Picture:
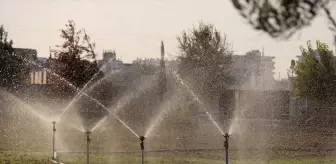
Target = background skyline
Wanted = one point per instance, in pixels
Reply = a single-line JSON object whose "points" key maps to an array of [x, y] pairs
{"points": [[135, 29]]}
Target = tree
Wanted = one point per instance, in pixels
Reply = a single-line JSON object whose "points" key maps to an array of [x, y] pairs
{"points": [[315, 74], [13, 69], [163, 76], [205, 56], [72, 55], [281, 17]]}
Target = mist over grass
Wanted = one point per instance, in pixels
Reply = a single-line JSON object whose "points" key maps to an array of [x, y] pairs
{"points": [[196, 157]]}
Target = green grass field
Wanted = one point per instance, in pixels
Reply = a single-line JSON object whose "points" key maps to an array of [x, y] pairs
{"points": [[214, 157]]}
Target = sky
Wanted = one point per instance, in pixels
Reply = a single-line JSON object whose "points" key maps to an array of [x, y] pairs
{"points": [[135, 28]]}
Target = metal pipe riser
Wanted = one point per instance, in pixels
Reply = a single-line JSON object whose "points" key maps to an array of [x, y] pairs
{"points": [[53, 140], [88, 140], [142, 146], [226, 146]]}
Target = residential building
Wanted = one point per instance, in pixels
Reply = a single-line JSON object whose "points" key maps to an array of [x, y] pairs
{"points": [[30, 56], [255, 90], [253, 70], [42, 74], [110, 61]]}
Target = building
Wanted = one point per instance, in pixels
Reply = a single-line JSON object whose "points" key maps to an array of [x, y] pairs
{"points": [[110, 61], [38, 73], [42, 74], [109, 55], [253, 71], [256, 93], [39, 66]]}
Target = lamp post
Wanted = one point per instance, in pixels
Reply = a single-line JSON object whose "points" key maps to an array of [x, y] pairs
{"points": [[88, 147], [226, 146], [142, 146], [53, 140]]}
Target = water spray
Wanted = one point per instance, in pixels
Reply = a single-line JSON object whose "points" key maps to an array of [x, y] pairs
{"points": [[88, 147], [226, 146], [142, 146], [53, 140]]}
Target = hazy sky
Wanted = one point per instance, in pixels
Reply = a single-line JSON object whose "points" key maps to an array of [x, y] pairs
{"points": [[134, 28]]}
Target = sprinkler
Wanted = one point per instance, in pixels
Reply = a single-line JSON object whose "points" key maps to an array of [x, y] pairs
{"points": [[88, 147], [226, 146], [142, 146], [53, 140]]}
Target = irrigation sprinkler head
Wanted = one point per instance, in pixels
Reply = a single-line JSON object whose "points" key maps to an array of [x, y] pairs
{"points": [[226, 135], [226, 142], [142, 138], [88, 136]]}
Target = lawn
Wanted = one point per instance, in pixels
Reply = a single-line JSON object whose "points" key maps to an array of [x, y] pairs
{"points": [[210, 157]]}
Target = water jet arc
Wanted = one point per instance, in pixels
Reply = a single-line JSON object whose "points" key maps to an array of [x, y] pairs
{"points": [[226, 146], [142, 146], [53, 140], [88, 147]]}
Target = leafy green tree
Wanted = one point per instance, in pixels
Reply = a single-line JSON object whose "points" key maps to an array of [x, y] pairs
{"points": [[13, 69], [72, 56], [205, 57], [315, 74], [282, 18]]}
